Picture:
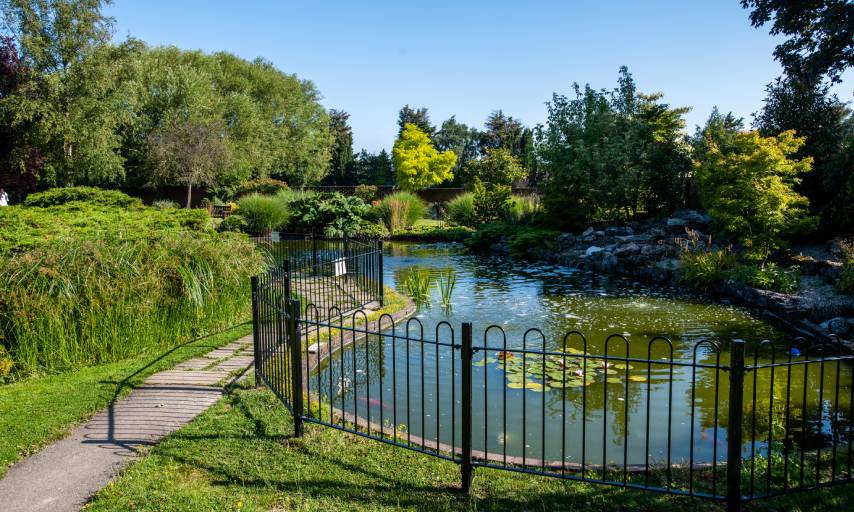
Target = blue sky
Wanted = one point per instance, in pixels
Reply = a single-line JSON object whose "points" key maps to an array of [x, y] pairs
{"points": [[470, 58]]}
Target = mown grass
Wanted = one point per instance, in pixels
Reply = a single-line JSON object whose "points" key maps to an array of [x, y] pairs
{"points": [[240, 455], [36, 411]]}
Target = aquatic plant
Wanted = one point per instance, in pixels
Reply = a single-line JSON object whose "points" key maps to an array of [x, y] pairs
{"points": [[417, 285], [446, 283]]}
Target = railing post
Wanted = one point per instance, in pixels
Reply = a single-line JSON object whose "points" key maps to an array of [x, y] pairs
{"points": [[314, 254], [381, 290], [736, 413], [286, 270], [296, 364], [466, 468], [256, 342]]}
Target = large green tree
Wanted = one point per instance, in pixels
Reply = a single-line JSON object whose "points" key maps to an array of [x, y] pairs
{"points": [[459, 138], [418, 163], [417, 116], [820, 35], [612, 154], [340, 165]]}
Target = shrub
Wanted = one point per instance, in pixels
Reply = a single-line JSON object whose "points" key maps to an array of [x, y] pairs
{"points": [[289, 195], [262, 213], [489, 234], [263, 186], [331, 214], [371, 230], [703, 269], [401, 210], [164, 204], [235, 223], [491, 202], [523, 210], [58, 196], [434, 232], [461, 210], [768, 277], [526, 242], [367, 193]]}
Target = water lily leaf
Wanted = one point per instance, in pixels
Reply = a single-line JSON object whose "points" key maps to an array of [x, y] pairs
{"points": [[637, 378], [482, 362], [614, 380]]}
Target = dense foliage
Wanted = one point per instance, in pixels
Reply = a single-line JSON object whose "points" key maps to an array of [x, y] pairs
{"points": [[611, 154], [330, 214], [461, 210], [260, 214], [418, 163], [106, 114], [749, 191], [95, 279]]}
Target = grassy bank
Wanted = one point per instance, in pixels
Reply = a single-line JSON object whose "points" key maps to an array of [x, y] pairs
{"points": [[89, 277], [239, 456], [36, 411]]}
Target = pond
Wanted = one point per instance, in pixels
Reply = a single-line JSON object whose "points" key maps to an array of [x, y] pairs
{"points": [[526, 406]]}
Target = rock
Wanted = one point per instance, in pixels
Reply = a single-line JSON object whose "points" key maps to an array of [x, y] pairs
{"points": [[653, 250], [565, 240], [588, 238], [669, 264], [592, 250], [838, 325], [693, 217], [587, 232], [676, 222], [609, 262], [599, 233], [657, 233], [627, 249]]}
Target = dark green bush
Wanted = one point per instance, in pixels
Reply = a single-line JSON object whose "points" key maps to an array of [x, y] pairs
{"points": [[331, 214], [164, 204], [58, 196], [489, 234], [525, 243], [367, 193], [703, 269], [769, 277], [235, 223], [369, 229]]}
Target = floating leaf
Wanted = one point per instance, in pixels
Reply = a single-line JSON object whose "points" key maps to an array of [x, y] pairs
{"points": [[614, 380], [637, 378]]}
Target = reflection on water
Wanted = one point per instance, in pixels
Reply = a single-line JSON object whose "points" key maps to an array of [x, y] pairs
{"points": [[560, 407]]}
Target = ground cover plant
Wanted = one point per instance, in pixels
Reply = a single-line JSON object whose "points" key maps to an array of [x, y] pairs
{"points": [[84, 284]]}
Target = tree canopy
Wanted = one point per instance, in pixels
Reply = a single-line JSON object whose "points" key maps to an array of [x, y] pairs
{"points": [[417, 163]]}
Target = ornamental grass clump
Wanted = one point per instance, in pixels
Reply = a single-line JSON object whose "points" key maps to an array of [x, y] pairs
{"points": [[401, 210], [461, 210], [262, 214]]}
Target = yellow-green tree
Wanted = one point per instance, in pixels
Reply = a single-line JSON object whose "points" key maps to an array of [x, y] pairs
{"points": [[417, 163], [749, 189]]}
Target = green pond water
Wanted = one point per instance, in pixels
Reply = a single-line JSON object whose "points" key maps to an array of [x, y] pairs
{"points": [[560, 407]]}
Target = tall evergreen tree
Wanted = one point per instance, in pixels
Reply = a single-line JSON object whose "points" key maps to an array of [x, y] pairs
{"points": [[340, 164], [419, 117], [460, 139]]}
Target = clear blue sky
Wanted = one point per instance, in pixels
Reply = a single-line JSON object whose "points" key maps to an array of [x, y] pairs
{"points": [[468, 58]]}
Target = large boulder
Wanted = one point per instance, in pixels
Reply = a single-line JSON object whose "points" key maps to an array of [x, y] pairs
{"points": [[627, 250]]}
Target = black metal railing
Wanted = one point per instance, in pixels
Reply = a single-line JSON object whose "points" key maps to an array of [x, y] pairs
{"points": [[729, 424]]}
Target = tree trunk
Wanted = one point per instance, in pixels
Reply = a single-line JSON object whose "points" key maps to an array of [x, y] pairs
{"points": [[189, 194]]}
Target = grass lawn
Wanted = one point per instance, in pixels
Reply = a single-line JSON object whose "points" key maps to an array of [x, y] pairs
{"points": [[39, 410], [238, 456]]}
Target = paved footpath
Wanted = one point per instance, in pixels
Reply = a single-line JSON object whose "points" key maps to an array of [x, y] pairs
{"points": [[63, 476]]}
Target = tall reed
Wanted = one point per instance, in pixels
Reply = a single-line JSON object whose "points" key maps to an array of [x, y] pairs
{"points": [[76, 302], [446, 283]]}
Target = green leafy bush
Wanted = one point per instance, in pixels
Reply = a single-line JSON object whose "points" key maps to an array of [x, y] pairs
{"points": [[263, 186], [526, 241], [491, 201], [703, 269], [58, 196], [401, 210], [164, 204], [434, 231], [262, 213], [367, 193], [331, 214], [461, 210], [768, 277], [489, 234], [371, 230], [235, 223]]}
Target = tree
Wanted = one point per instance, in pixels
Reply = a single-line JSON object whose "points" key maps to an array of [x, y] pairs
{"points": [[502, 131], [749, 191], [418, 117], [719, 131], [459, 138], [417, 163], [611, 154], [820, 35], [492, 177], [342, 148], [372, 169], [823, 121], [189, 153], [20, 162]]}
